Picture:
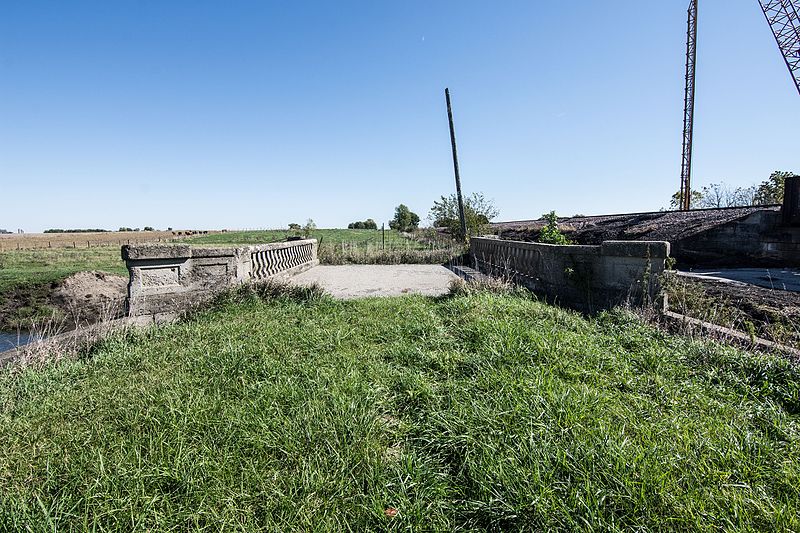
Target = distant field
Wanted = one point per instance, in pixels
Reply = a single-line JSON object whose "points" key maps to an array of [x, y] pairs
{"points": [[27, 241], [326, 237]]}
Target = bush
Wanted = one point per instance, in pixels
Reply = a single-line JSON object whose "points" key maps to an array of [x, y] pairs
{"points": [[550, 234]]}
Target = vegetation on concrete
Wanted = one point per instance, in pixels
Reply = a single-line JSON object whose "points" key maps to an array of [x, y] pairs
{"points": [[478, 212], [286, 410], [550, 233]]}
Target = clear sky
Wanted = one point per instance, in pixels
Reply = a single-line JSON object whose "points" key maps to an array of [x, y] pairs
{"points": [[243, 114]]}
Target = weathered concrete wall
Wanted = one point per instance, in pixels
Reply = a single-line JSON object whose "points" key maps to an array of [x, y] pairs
{"points": [[588, 278], [758, 239], [166, 279]]}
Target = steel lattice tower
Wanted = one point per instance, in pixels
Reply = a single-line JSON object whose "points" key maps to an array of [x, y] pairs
{"points": [[688, 109], [785, 23]]}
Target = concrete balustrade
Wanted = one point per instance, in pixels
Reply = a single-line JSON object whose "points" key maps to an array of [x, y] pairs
{"points": [[587, 278], [166, 279]]}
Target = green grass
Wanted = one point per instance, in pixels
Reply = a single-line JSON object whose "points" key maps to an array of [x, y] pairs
{"points": [[29, 267], [478, 411], [325, 236]]}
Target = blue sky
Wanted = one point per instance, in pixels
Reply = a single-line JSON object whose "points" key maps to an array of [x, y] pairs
{"points": [[255, 114]]}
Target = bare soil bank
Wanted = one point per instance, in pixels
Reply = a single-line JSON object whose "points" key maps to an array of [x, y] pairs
{"points": [[82, 298]]}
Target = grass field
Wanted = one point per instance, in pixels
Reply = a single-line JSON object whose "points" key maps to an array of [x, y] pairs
{"points": [[477, 411]]}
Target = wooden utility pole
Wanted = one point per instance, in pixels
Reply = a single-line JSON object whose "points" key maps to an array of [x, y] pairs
{"points": [[455, 166]]}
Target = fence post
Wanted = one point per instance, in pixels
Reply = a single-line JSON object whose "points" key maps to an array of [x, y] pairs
{"points": [[383, 234]]}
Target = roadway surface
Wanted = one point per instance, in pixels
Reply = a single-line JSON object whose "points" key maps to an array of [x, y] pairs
{"points": [[782, 279], [362, 281]]}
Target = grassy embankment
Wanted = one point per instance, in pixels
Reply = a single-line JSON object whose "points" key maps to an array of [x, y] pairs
{"points": [[475, 411], [27, 276]]}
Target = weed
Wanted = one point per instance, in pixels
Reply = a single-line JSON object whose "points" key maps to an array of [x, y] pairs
{"points": [[479, 411]]}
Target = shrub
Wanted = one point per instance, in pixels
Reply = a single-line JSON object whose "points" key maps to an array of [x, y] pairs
{"points": [[550, 234]]}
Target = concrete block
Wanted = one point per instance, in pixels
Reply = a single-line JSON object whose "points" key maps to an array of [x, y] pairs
{"points": [[131, 252]]}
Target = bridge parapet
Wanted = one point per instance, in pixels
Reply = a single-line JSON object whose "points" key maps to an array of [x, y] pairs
{"points": [[166, 279], [588, 278]]}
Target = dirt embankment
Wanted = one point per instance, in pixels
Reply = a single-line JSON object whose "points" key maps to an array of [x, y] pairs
{"points": [[82, 298], [767, 313]]}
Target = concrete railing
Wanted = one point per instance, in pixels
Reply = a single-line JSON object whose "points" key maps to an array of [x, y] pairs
{"points": [[587, 278], [167, 279]]}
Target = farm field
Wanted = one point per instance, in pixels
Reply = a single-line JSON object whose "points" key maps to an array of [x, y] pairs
{"points": [[478, 410], [36, 241]]}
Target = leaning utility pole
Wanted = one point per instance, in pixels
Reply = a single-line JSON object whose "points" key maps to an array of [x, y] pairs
{"points": [[455, 166], [688, 109]]}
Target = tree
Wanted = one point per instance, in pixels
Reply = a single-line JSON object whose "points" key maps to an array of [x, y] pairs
{"points": [[308, 228], [478, 212], [770, 191], [367, 224], [295, 226], [404, 219], [550, 234], [717, 195]]}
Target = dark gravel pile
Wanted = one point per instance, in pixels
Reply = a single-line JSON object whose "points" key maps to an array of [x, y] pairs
{"points": [[658, 226]]}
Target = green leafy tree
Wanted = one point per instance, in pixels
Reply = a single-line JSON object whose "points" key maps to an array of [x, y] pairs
{"points": [[309, 228], [478, 212], [770, 191], [367, 224], [550, 234], [404, 219]]}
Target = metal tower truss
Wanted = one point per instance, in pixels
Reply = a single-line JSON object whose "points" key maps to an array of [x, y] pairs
{"points": [[785, 23], [688, 109]]}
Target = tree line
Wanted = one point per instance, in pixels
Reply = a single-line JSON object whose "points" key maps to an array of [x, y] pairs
{"points": [[768, 192]]}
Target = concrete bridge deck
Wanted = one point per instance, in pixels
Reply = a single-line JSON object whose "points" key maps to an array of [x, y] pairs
{"points": [[362, 281]]}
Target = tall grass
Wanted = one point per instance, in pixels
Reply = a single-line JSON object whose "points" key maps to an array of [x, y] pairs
{"points": [[289, 411]]}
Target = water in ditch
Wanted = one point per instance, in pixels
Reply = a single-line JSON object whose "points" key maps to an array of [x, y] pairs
{"points": [[9, 340]]}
